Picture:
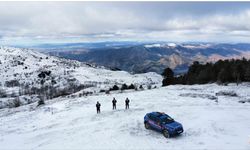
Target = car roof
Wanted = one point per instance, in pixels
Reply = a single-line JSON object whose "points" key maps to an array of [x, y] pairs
{"points": [[160, 115]]}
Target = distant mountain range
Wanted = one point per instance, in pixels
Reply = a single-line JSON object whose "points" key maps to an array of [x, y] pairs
{"points": [[150, 57]]}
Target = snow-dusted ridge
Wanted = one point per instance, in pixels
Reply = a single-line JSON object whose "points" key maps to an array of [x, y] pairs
{"points": [[160, 45], [24, 65]]}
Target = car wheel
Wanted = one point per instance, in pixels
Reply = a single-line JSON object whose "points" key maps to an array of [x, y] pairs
{"points": [[147, 126], [165, 133]]}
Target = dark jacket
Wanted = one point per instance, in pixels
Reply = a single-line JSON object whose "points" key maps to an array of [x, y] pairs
{"points": [[114, 101], [127, 101], [98, 105]]}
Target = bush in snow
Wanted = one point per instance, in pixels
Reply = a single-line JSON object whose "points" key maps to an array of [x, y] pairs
{"points": [[107, 92], [87, 93], [244, 101], [43, 74], [226, 93], [11, 103], [101, 91], [80, 95], [40, 102], [16, 102], [12, 83], [3, 93], [141, 87], [197, 95], [136, 89]]}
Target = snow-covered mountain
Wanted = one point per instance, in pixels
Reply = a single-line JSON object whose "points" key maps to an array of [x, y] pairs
{"points": [[211, 115], [24, 69]]}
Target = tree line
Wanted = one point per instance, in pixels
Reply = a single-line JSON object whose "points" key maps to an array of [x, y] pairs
{"points": [[221, 72]]}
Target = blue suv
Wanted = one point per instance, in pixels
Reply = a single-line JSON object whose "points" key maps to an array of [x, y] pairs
{"points": [[163, 123]]}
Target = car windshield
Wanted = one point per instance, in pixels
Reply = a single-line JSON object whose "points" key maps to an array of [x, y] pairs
{"points": [[167, 120]]}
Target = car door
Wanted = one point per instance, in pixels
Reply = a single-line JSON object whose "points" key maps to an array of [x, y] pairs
{"points": [[155, 122], [158, 124]]}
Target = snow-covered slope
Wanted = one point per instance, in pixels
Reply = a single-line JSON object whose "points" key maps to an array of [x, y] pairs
{"points": [[24, 64], [20, 69], [210, 120]]}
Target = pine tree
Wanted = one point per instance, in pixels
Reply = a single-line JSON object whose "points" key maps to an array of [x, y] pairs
{"points": [[131, 86], [223, 76], [168, 75], [115, 88], [124, 87], [247, 74]]}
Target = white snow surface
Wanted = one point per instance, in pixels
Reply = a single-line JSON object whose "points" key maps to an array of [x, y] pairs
{"points": [[65, 123], [172, 44], [152, 45], [160, 45]]}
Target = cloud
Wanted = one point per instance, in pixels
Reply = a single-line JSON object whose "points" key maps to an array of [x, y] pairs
{"points": [[90, 21]]}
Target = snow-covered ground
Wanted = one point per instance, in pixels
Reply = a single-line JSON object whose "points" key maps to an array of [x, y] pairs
{"points": [[210, 121]]}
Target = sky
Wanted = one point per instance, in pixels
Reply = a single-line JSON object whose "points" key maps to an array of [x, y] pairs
{"points": [[28, 23]]}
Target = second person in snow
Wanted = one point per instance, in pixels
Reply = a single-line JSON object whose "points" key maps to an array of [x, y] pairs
{"points": [[114, 103], [127, 103]]}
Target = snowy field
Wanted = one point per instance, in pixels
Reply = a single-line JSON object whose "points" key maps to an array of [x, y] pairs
{"points": [[210, 121]]}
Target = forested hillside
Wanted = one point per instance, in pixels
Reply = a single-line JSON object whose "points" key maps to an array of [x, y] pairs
{"points": [[222, 72]]}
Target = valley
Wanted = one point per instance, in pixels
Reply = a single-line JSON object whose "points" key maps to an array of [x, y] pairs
{"points": [[151, 57]]}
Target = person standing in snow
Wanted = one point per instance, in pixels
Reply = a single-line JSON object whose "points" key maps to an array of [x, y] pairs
{"points": [[127, 103], [98, 107], [114, 103]]}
